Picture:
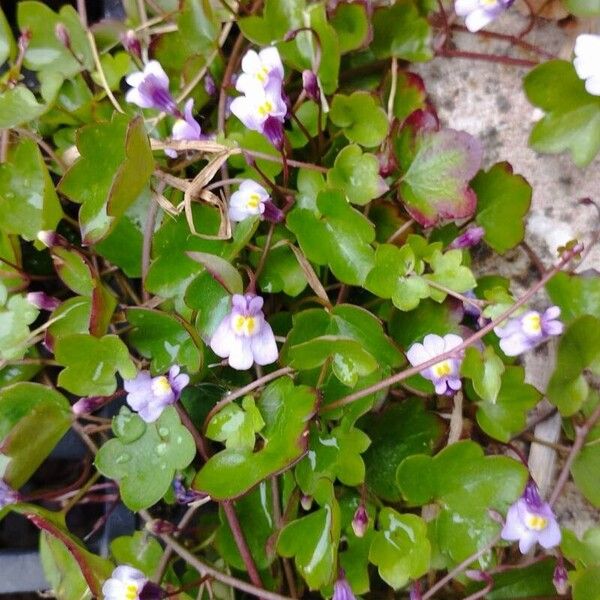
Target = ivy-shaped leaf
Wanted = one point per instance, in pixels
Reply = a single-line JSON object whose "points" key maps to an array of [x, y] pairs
{"points": [[28, 202], [16, 314], [285, 409], [144, 467], [91, 363], [576, 294], [236, 426], [138, 550], [352, 25], [485, 371], [116, 156], [361, 118], [400, 548], [336, 235]]}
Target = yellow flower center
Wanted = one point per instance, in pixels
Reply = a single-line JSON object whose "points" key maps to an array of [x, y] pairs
{"points": [[265, 108], [442, 369], [488, 2], [245, 326], [536, 522], [532, 323], [161, 385], [253, 201], [262, 74], [131, 591]]}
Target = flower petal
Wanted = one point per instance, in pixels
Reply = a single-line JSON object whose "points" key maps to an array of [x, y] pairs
{"points": [[478, 19], [223, 338], [240, 356], [417, 354], [264, 347]]}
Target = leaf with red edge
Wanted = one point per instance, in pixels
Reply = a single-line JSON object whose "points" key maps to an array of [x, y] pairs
{"points": [[435, 186]]}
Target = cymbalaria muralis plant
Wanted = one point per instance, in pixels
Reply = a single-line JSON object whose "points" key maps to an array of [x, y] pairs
{"points": [[240, 259]]}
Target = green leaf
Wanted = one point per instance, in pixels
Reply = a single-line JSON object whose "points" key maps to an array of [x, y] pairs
{"points": [[144, 467], [400, 548], [411, 94], [435, 186], [339, 237], [583, 8], [351, 23], [123, 246], [587, 584], [221, 270], [8, 47], [74, 270], [91, 363], [255, 513], [18, 105], [402, 32], [485, 370], [236, 426], [115, 67], [45, 52], [357, 175], [397, 432], [28, 202], [138, 550], [576, 294], [278, 18], [507, 414], [465, 484], [578, 350], [503, 200], [572, 119], [198, 26], [362, 119], [24, 443], [15, 317], [165, 340], [449, 272], [313, 541], [285, 408], [582, 552], [585, 471], [72, 316], [116, 157]]}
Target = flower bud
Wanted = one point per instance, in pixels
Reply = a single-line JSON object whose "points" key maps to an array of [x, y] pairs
{"points": [[43, 301], [51, 239], [131, 43], [310, 83], [152, 591], [24, 39], [272, 213], [476, 575], [560, 579], [184, 495], [360, 522], [306, 502], [85, 406], [210, 87], [62, 35], [342, 589], [8, 495], [469, 238], [160, 527]]}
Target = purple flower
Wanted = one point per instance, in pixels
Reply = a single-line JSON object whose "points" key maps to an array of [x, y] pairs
{"points": [[342, 589], [260, 69], [560, 578], [251, 200], [184, 495], [43, 301], [444, 375], [149, 396], [531, 520], [262, 109], [360, 521], [528, 330], [469, 238], [85, 406], [480, 13], [243, 336], [150, 89], [186, 128], [310, 84], [587, 61], [8, 496]]}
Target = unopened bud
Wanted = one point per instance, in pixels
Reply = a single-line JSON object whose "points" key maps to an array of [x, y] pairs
{"points": [[85, 406], [184, 495], [62, 35], [43, 301], [210, 87], [360, 522], [24, 39], [471, 237], [160, 527], [131, 43], [310, 83], [342, 589], [51, 238], [272, 213], [306, 502], [477, 575], [560, 579]]}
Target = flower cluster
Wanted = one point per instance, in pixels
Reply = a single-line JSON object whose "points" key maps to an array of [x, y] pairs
{"points": [[444, 375], [527, 331], [262, 107], [530, 520], [149, 396]]}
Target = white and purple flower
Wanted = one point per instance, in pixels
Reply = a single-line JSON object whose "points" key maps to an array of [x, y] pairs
{"points": [[259, 69], [127, 583], [529, 330], [342, 589], [263, 109], [530, 520], [185, 128], [149, 396], [150, 89], [479, 13], [252, 200], [587, 61], [8, 496], [243, 336], [444, 375]]}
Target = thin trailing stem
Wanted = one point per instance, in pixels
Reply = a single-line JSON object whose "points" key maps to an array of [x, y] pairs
{"points": [[101, 74], [495, 58]]}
